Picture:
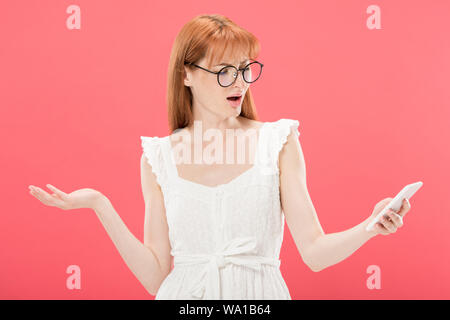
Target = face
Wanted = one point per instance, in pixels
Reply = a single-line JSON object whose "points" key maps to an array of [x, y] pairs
{"points": [[208, 95]]}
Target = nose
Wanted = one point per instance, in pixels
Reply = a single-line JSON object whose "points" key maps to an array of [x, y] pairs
{"points": [[240, 79]]}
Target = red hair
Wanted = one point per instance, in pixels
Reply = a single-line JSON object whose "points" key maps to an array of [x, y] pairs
{"points": [[204, 36]]}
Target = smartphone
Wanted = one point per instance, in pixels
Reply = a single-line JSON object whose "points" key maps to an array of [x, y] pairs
{"points": [[396, 203]]}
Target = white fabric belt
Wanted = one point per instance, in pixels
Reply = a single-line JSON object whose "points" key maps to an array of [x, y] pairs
{"points": [[236, 251]]}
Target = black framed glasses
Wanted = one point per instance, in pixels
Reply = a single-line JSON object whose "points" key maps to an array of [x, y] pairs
{"points": [[228, 74]]}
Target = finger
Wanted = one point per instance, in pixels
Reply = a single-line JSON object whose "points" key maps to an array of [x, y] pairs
{"points": [[37, 192], [392, 210], [387, 200], [40, 195], [44, 197], [380, 228], [388, 224], [396, 218], [383, 203], [56, 191], [406, 206]]}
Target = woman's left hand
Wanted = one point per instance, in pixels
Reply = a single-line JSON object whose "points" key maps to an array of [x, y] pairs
{"points": [[391, 220]]}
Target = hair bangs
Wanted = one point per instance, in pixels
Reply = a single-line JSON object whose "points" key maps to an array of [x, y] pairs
{"points": [[231, 43]]}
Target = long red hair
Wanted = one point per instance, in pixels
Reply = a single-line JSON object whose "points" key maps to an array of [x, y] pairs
{"points": [[204, 36]]}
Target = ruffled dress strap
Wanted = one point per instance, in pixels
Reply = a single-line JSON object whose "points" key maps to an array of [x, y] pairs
{"points": [[153, 151], [277, 136]]}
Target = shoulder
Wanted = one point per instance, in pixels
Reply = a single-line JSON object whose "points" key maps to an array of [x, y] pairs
{"points": [[284, 143], [179, 137], [151, 155], [291, 157], [154, 175], [150, 141], [282, 132], [288, 133], [250, 123], [150, 146], [285, 126]]}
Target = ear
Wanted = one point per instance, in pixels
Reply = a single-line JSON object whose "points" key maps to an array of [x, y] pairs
{"points": [[187, 77]]}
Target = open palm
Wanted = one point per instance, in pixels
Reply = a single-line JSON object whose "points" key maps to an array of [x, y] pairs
{"points": [[82, 198]]}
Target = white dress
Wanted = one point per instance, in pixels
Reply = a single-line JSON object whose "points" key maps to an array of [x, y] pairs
{"points": [[225, 239]]}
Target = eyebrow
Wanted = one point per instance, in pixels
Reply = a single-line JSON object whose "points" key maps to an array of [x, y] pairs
{"points": [[228, 64]]}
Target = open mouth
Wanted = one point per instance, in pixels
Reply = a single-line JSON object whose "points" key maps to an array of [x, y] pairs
{"points": [[234, 101]]}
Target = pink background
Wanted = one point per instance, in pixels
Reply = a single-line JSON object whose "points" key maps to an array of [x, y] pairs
{"points": [[373, 107]]}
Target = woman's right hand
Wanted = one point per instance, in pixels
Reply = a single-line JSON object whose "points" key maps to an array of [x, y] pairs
{"points": [[83, 198]]}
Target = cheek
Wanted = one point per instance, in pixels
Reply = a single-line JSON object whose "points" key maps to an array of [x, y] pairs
{"points": [[211, 92], [215, 93], [210, 87]]}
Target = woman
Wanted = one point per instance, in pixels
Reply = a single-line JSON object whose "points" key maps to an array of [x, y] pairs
{"points": [[221, 225]]}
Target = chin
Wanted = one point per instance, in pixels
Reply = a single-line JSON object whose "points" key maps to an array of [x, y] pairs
{"points": [[236, 111]]}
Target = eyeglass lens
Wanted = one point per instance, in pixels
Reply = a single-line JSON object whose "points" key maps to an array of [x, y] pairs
{"points": [[228, 74]]}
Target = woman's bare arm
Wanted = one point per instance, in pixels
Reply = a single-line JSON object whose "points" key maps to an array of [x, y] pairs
{"points": [[318, 250], [150, 262]]}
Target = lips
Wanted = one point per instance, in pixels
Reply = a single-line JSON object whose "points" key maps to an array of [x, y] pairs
{"points": [[234, 97], [235, 94], [235, 102]]}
